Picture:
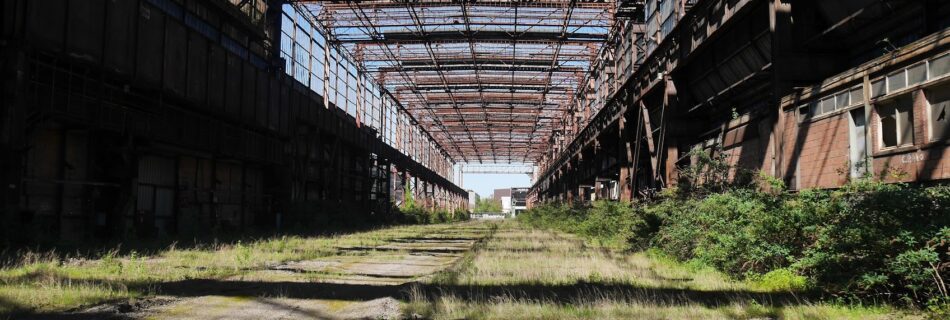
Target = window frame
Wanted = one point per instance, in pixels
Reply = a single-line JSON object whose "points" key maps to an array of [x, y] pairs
{"points": [[895, 103], [930, 117], [816, 105]]}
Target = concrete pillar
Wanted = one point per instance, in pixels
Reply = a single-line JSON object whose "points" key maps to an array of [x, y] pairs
{"points": [[13, 68], [598, 190]]}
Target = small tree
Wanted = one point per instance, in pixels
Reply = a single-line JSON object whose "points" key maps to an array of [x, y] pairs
{"points": [[488, 205]]}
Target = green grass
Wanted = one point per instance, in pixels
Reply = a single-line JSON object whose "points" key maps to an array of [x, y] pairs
{"points": [[516, 273], [50, 282], [523, 273]]}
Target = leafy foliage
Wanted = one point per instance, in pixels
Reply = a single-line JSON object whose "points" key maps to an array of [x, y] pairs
{"points": [[412, 213], [488, 205], [866, 240]]}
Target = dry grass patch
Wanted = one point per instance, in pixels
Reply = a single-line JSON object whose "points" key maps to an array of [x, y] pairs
{"points": [[49, 282], [523, 273]]}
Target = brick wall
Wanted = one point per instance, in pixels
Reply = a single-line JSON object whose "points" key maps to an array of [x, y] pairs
{"points": [[922, 161], [816, 151]]}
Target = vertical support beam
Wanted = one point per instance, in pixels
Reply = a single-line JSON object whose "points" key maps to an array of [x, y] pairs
{"points": [[406, 188], [648, 132], [598, 189], [780, 26], [274, 19], [414, 188], [360, 102], [326, 76], [669, 102], [624, 181], [13, 67]]}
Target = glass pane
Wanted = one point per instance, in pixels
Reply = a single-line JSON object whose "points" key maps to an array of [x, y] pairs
{"points": [[938, 120], [286, 21], [888, 126], [286, 42], [940, 66], [917, 74], [896, 81], [878, 89], [842, 100], [827, 105], [906, 124], [939, 100], [803, 113], [857, 95]]}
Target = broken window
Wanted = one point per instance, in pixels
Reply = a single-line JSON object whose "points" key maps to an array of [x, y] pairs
{"points": [[857, 95], [878, 88], [896, 81], [940, 66], [917, 74], [939, 100], [896, 125]]}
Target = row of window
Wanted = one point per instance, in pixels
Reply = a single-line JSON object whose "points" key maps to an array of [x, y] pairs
{"points": [[896, 114], [897, 117], [910, 76], [833, 102], [308, 59]]}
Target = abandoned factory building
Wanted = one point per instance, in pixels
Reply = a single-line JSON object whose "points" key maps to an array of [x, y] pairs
{"points": [[151, 118]]}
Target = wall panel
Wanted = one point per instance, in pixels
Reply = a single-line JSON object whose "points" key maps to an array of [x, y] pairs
{"points": [[150, 46], [176, 59], [84, 32], [46, 23], [217, 67], [119, 54], [197, 68]]}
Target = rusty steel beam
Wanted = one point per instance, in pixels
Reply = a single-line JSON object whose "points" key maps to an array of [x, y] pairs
{"points": [[390, 4], [488, 35], [493, 80]]}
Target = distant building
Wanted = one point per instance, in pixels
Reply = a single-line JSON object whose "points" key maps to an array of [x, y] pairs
{"points": [[506, 204], [472, 200], [501, 193], [513, 200], [519, 200]]}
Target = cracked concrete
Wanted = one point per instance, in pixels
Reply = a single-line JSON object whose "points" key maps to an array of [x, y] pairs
{"points": [[357, 283]]}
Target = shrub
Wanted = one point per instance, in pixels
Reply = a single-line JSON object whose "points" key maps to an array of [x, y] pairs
{"points": [[782, 279], [866, 240], [558, 216], [617, 224], [411, 213], [738, 231], [871, 239]]}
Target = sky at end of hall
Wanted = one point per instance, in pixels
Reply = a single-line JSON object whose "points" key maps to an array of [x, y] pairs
{"points": [[485, 183]]}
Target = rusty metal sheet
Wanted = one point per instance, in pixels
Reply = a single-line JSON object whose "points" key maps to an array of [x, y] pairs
{"points": [[197, 68], [216, 75], [119, 54], [262, 99], [150, 46], [46, 23], [176, 58], [248, 86], [232, 87], [84, 32]]}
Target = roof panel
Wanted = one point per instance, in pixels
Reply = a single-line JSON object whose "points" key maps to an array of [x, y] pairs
{"points": [[489, 79]]}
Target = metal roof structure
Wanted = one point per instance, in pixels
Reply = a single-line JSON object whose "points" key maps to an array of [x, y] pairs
{"points": [[489, 80]]}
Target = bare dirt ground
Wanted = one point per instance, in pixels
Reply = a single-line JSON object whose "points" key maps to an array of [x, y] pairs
{"points": [[357, 283]]}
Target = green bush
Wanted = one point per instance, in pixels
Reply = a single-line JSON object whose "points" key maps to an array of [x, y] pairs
{"points": [[410, 213], [780, 280], [868, 239], [558, 216], [871, 239], [616, 224], [613, 224], [741, 231]]}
